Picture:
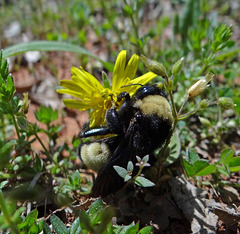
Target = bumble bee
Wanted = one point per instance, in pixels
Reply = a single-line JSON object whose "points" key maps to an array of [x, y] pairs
{"points": [[140, 126]]}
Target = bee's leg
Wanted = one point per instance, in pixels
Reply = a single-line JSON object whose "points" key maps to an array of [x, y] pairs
{"points": [[124, 95], [95, 132], [113, 122]]}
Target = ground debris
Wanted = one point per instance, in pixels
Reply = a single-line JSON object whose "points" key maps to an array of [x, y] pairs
{"points": [[228, 214], [191, 200]]}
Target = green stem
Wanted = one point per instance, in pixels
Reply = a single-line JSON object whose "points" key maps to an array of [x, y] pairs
{"points": [[135, 28], [109, 17], [139, 172], [16, 127], [45, 149], [206, 65], [183, 105], [174, 109], [164, 149], [6, 215], [3, 128], [182, 117]]}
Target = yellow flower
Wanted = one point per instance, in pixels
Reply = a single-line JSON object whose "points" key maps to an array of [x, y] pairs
{"points": [[91, 95]]}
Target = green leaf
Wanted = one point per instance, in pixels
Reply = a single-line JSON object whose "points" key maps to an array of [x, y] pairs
{"points": [[228, 54], [10, 87], [34, 229], [75, 179], [226, 156], [50, 46], [144, 182], [124, 230], [127, 178], [5, 153], [132, 230], [224, 170], [75, 228], [29, 221], [128, 10], [146, 230], [106, 218], [121, 171], [22, 123], [237, 103], [39, 163], [16, 216], [130, 166], [3, 183], [106, 82], [234, 164], [46, 229], [189, 168], [85, 221], [207, 170], [46, 114], [192, 156], [95, 208], [203, 167], [145, 158], [175, 147], [58, 225]]}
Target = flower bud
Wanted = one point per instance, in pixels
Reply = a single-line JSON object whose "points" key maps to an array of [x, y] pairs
{"points": [[226, 103], [106, 82], [154, 66], [26, 103], [199, 86], [177, 66], [205, 122], [203, 104]]}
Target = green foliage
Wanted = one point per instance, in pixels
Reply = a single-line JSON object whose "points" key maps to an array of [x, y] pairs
{"points": [[50, 46], [227, 163], [98, 219], [5, 152], [126, 174], [30, 224], [195, 166], [11, 217], [58, 225], [46, 114], [205, 44]]}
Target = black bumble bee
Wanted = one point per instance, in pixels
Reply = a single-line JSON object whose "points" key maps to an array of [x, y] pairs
{"points": [[140, 126]]}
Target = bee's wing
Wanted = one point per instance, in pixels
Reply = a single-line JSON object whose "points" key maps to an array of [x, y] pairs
{"points": [[108, 180]]}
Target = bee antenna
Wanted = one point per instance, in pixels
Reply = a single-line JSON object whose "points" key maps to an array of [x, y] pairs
{"points": [[131, 85]]}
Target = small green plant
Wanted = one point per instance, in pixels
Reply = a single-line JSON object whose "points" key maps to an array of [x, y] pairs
{"points": [[21, 164], [227, 164], [204, 47], [11, 217], [126, 174], [98, 219]]}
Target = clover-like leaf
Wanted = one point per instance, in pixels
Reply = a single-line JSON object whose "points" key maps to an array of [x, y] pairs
{"points": [[143, 182], [121, 171]]}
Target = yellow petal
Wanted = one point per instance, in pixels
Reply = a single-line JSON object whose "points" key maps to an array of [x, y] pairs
{"points": [[70, 85], [144, 79], [76, 104], [131, 67], [97, 117], [118, 71], [70, 92], [95, 81], [85, 80]]}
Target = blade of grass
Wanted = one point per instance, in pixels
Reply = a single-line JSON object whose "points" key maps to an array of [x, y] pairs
{"points": [[51, 46]]}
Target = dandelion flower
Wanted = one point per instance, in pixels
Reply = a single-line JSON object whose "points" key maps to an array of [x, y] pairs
{"points": [[89, 93]]}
